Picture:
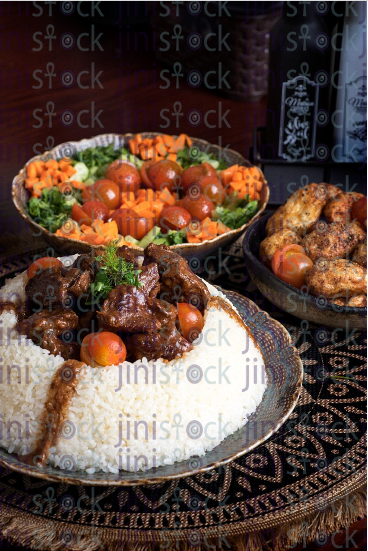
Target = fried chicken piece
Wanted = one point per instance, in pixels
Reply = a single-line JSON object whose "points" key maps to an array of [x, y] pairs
{"points": [[360, 254], [278, 239], [333, 278], [338, 208], [331, 241], [358, 301], [300, 211]]}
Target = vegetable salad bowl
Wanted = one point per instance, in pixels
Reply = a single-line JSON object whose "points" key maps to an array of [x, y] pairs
{"points": [[67, 245]]}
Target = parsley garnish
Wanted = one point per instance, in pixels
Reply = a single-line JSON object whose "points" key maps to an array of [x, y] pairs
{"points": [[114, 270]]}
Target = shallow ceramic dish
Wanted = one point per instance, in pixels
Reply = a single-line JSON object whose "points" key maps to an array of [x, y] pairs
{"points": [[71, 246], [284, 371], [316, 309]]}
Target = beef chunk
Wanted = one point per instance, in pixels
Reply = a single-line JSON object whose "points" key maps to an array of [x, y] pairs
{"points": [[86, 263], [164, 343], [126, 309], [55, 287], [87, 323], [81, 284], [127, 253], [56, 346], [51, 330], [57, 321], [178, 283], [149, 280]]}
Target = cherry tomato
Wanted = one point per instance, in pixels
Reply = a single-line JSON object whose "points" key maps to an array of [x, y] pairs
{"points": [[144, 175], [96, 210], [284, 252], [191, 321], [124, 174], [163, 174], [200, 208], [80, 216], [101, 349], [174, 218], [193, 174], [105, 191], [359, 210], [44, 263], [130, 223], [290, 264], [212, 189]]}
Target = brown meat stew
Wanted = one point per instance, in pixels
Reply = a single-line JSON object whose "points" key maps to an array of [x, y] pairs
{"points": [[58, 314]]}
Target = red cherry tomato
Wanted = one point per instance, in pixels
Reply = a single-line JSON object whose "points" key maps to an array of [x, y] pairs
{"points": [[284, 252], [130, 223], [174, 218], [80, 216], [200, 208], [212, 189], [144, 175], [96, 210], [101, 349], [290, 264], [359, 210], [105, 191], [163, 174], [125, 175], [193, 174], [191, 321], [44, 263]]}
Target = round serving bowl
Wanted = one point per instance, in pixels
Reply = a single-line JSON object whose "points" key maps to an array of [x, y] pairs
{"points": [[284, 373], [316, 309], [71, 246]]}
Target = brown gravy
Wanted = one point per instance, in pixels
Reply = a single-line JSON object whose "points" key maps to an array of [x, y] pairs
{"points": [[18, 309], [62, 389]]}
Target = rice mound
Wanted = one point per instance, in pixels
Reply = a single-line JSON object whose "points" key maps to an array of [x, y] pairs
{"points": [[137, 415]]}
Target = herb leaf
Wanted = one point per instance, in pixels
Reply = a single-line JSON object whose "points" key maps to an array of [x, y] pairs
{"points": [[184, 159], [234, 215], [52, 209], [114, 270]]}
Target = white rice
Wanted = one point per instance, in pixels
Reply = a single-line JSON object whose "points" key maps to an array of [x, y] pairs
{"points": [[132, 416]]}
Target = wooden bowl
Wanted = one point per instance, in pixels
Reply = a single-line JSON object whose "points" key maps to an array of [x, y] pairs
{"points": [[196, 251], [316, 309]]}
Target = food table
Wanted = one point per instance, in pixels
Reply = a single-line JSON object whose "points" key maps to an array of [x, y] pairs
{"points": [[304, 483]]}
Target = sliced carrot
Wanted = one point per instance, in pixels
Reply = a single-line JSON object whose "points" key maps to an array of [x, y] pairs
{"points": [[70, 171], [29, 182], [138, 138], [237, 186], [168, 140], [31, 170], [144, 205], [237, 177], [192, 238], [221, 228], [133, 144], [172, 157], [188, 140], [259, 185], [52, 163], [78, 185]]}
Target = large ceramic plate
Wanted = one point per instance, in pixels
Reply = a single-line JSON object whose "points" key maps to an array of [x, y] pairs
{"points": [[284, 380], [71, 246]]}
